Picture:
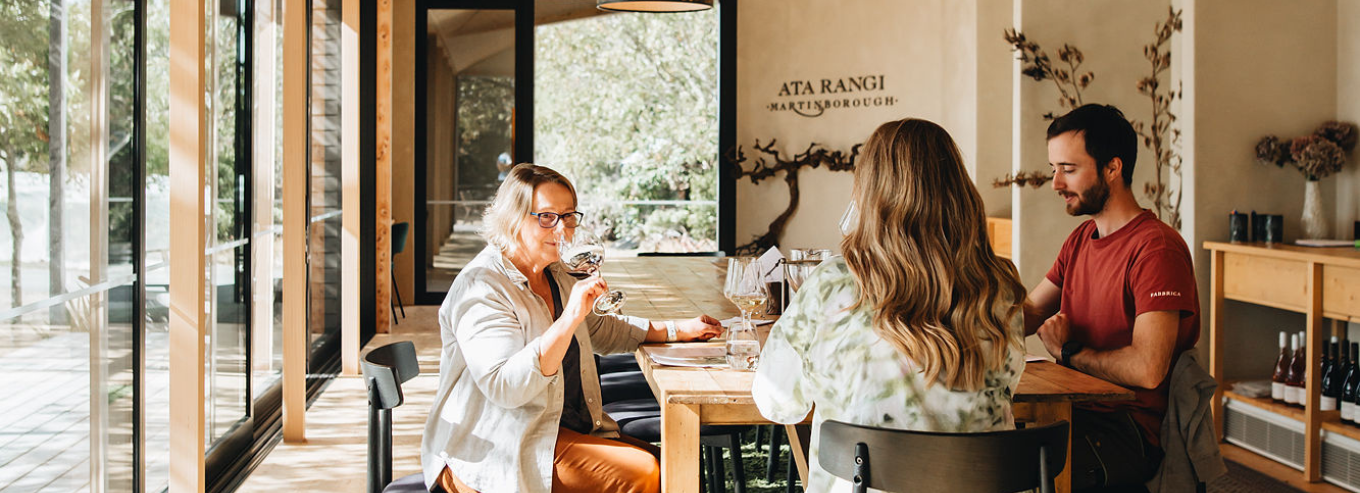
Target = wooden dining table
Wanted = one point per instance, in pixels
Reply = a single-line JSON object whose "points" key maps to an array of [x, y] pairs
{"points": [[683, 287]]}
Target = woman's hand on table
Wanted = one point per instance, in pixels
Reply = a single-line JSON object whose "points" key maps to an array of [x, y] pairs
{"points": [[700, 328]]}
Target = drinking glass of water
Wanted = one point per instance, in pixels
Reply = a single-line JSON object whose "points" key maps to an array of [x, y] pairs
{"points": [[746, 288]]}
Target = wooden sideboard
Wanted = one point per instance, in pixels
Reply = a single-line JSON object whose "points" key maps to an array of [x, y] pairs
{"points": [[1321, 283]]}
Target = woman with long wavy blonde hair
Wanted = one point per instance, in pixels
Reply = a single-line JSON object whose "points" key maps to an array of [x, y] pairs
{"points": [[919, 325]]}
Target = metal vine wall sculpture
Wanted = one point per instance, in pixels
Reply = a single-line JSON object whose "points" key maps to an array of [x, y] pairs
{"points": [[768, 163]]}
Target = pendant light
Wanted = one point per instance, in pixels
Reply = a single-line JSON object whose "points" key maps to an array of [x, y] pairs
{"points": [[654, 5]]}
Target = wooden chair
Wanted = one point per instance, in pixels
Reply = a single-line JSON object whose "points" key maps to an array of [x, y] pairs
{"points": [[904, 460], [385, 369]]}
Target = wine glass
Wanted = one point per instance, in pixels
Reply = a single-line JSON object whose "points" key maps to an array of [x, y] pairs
{"points": [[582, 255], [746, 288]]}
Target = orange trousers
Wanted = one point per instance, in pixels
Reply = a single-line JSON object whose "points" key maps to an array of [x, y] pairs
{"points": [[585, 463]]}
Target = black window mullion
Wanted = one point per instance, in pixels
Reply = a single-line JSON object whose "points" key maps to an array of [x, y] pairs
{"points": [[139, 320]]}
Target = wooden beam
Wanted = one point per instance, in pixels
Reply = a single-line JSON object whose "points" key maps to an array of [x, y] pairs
{"points": [[99, 238], [295, 142], [263, 116], [403, 141], [188, 319], [351, 198], [382, 181]]}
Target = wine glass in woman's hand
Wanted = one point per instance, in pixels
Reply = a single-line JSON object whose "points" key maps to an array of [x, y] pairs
{"points": [[582, 253]]}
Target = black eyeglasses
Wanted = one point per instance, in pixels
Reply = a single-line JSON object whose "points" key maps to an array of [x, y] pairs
{"points": [[549, 219]]}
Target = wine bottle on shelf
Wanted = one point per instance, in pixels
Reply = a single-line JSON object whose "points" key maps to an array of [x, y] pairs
{"points": [[1329, 398], [1348, 387], [1298, 370], [1339, 368], [1281, 370]]}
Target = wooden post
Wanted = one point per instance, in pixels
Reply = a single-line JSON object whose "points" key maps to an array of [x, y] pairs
{"points": [[188, 209], [263, 116], [295, 143], [1312, 416], [679, 447], [1216, 337], [382, 181], [351, 198], [99, 237]]}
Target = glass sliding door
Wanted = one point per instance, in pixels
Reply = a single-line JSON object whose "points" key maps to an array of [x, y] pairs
{"points": [[471, 101], [68, 325]]}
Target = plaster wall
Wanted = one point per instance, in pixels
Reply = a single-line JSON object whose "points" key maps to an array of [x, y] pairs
{"points": [[1111, 35], [924, 49], [1259, 67]]}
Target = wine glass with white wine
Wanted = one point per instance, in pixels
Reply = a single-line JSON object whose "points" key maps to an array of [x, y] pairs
{"points": [[746, 288], [582, 255]]}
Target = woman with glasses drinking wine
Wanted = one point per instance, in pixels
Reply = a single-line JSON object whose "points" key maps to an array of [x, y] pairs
{"points": [[518, 406], [919, 325]]}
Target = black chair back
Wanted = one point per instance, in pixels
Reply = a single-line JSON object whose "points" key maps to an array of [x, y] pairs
{"points": [[903, 460], [385, 369], [399, 233]]}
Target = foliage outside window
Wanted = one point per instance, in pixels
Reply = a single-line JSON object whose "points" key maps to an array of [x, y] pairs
{"points": [[626, 106]]}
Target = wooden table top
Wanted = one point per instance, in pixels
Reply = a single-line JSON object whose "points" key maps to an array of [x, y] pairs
{"points": [[1347, 256], [673, 287]]}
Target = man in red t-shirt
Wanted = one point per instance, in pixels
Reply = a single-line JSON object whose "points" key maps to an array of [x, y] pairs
{"points": [[1120, 301]]}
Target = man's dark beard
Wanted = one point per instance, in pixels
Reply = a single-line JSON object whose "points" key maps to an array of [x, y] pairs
{"points": [[1091, 201]]}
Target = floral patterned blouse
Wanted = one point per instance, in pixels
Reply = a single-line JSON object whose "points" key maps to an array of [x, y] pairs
{"points": [[821, 353]]}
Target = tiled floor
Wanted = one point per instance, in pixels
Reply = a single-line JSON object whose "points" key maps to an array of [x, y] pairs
{"points": [[334, 457]]}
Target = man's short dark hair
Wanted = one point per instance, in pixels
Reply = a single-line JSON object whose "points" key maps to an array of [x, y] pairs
{"points": [[1108, 135]]}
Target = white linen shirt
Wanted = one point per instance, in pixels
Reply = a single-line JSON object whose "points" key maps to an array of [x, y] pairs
{"points": [[495, 417]]}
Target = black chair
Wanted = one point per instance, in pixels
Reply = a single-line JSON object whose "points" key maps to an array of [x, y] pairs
{"points": [[385, 369], [999, 461], [399, 233], [641, 419]]}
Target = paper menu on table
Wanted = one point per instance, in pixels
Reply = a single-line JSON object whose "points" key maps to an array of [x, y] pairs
{"points": [[706, 356]]}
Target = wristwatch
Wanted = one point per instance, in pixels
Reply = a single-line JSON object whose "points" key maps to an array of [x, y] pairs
{"points": [[1070, 349]]}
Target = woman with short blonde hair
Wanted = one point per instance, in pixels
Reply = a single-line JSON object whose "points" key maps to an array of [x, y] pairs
{"points": [[518, 406], [919, 325]]}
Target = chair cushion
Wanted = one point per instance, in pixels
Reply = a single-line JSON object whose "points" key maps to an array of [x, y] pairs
{"points": [[649, 429], [414, 483], [623, 412], [624, 386], [614, 363]]}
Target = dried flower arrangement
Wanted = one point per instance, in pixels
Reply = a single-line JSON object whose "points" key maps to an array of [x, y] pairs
{"points": [[1036, 65], [1166, 161], [1317, 156]]}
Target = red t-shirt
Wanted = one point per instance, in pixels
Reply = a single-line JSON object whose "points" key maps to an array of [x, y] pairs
{"points": [[1107, 282]]}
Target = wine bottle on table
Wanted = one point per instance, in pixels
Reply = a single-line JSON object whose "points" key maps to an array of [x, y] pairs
{"points": [[1348, 387], [1281, 370], [1329, 361], [1298, 371]]}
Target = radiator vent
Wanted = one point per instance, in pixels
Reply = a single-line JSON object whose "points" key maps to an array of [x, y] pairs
{"points": [[1264, 432], [1341, 461]]}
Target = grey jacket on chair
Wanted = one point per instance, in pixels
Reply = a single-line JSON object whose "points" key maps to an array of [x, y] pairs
{"points": [[1188, 438]]}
